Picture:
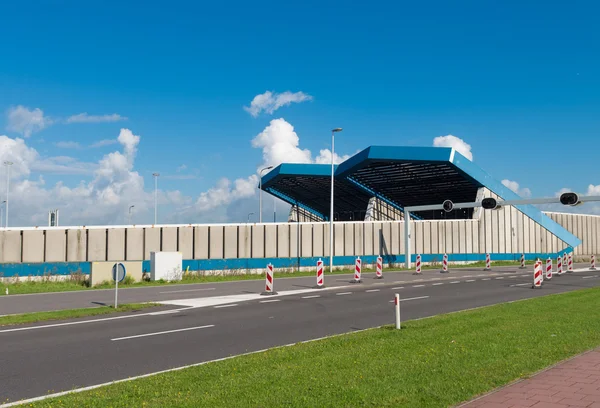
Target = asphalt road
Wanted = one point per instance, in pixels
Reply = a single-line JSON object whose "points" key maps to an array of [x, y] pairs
{"points": [[92, 298], [44, 358]]}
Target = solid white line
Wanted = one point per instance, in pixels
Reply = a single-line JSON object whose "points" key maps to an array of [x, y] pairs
{"points": [[455, 282], [373, 290], [418, 286], [521, 284], [344, 293], [229, 305], [500, 277], [164, 312], [269, 301], [470, 280], [588, 277], [310, 297], [47, 326], [399, 287], [407, 299], [436, 284], [486, 279], [188, 290], [163, 332]]}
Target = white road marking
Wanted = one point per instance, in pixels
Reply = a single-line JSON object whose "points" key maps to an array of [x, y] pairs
{"points": [[468, 276], [418, 286], [521, 284], [470, 280], [47, 326], [481, 274], [399, 282], [510, 277], [373, 290], [163, 332], [436, 284], [407, 299], [455, 282], [344, 293], [311, 297], [229, 305], [399, 287], [269, 301], [588, 277], [188, 290], [500, 277], [164, 312], [486, 279], [524, 274]]}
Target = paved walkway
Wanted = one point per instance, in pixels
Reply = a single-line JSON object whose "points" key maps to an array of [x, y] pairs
{"points": [[574, 383]]}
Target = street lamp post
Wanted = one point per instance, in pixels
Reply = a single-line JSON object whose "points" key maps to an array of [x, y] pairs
{"points": [[333, 132], [260, 193], [1, 205], [130, 207], [155, 195], [7, 164]]}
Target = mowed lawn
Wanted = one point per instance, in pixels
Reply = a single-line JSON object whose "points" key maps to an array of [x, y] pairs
{"points": [[435, 362]]}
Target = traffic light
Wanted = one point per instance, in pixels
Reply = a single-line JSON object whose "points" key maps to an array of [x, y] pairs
{"points": [[489, 203], [448, 205], [569, 199]]}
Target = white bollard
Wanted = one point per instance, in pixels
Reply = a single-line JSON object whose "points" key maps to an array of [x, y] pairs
{"points": [[593, 263], [397, 304], [488, 266], [379, 268], [418, 266], [522, 261], [320, 273], [549, 269]]}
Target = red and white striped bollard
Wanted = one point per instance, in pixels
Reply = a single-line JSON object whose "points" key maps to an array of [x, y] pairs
{"points": [[559, 266], [570, 268], [549, 269], [538, 277], [488, 263], [445, 264], [522, 261], [379, 268], [357, 269], [593, 263], [269, 281], [418, 265], [320, 273]]}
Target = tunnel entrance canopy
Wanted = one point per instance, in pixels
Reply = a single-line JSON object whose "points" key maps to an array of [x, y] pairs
{"points": [[399, 176]]}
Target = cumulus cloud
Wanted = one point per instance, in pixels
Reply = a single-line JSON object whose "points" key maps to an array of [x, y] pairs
{"points": [[593, 190], [514, 186], [85, 118], [457, 143], [269, 102], [26, 121]]}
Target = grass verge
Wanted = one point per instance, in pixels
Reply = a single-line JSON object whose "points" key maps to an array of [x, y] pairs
{"points": [[71, 314], [46, 286], [435, 362]]}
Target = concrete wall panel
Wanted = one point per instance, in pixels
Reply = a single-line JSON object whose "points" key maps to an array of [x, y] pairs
{"points": [[359, 239], [33, 246], [151, 241], [215, 239], [368, 236], [462, 237], [283, 240], [419, 235], [386, 245], [338, 239], [76, 245], [295, 240], [134, 237], [115, 244], [270, 241], [349, 238], [401, 242], [258, 240], [230, 246], [435, 247], [186, 242], [306, 239], [56, 246], [96, 245], [455, 231], [201, 242], [168, 239], [427, 237]]}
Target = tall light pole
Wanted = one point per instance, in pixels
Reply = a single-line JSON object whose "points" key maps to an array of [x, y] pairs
{"points": [[260, 194], [155, 194], [130, 207], [333, 132], [7, 164], [1, 205]]}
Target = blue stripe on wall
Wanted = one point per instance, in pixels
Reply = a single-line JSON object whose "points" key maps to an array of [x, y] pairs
{"points": [[67, 268]]}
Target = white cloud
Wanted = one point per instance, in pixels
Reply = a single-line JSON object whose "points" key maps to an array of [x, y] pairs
{"points": [[181, 168], [457, 143], [85, 118], [514, 186], [26, 121], [224, 193], [324, 157], [104, 142], [593, 190], [270, 102], [67, 145]]}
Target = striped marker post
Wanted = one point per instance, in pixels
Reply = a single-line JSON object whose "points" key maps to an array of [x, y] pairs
{"points": [[593, 263], [522, 261], [445, 264], [320, 273], [549, 269], [269, 281], [488, 263], [570, 269], [418, 265], [559, 266], [537, 275], [379, 268], [565, 261], [357, 268]]}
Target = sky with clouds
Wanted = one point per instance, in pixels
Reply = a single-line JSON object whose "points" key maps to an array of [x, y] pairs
{"points": [[92, 103]]}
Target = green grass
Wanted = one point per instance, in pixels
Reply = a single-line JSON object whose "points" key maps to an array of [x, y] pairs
{"points": [[77, 283], [71, 314], [435, 362]]}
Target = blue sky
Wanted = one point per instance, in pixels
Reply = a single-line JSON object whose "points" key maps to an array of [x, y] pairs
{"points": [[518, 81]]}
